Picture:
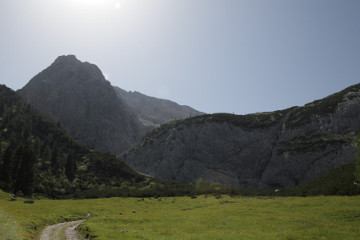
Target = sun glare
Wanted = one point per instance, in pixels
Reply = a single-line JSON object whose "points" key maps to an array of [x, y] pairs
{"points": [[95, 3], [117, 5]]}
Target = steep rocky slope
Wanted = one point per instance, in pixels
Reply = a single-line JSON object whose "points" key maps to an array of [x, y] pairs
{"points": [[77, 94], [153, 111], [265, 150]]}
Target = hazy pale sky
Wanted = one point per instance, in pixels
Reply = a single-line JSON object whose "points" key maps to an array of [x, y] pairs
{"points": [[240, 56]]}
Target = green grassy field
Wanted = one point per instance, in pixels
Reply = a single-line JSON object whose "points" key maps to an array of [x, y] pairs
{"points": [[186, 218]]}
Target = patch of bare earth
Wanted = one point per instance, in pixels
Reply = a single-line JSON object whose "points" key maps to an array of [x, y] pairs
{"points": [[61, 231]]}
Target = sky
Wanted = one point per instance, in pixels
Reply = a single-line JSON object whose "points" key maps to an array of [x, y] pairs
{"points": [[235, 56]]}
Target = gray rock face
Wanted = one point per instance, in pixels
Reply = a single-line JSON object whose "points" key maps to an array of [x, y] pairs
{"points": [[265, 150], [153, 111], [92, 110], [77, 94]]}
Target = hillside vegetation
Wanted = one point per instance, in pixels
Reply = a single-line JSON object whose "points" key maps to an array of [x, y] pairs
{"points": [[38, 156], [322, 107], [258, 120]]}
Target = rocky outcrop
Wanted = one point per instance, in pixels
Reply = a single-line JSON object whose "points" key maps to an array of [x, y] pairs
{"points": [[153, 111], [77, 95], [265, 150]]}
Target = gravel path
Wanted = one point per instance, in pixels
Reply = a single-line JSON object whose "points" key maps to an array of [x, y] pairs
{"points": [[67, 229]]}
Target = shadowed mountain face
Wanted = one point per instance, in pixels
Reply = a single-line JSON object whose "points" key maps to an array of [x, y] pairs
{"points": [[94, 112], [153, 111], [265, 150], [38, 156], [77, 94]]}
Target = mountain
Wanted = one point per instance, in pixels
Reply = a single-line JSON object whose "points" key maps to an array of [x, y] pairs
{"points": [[77, 95], [153, 111], [94, 112], [280, 149], [38, 156]]}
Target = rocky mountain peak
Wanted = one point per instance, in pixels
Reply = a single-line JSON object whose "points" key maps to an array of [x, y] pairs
{"points": [[78, 95], [66, 59], [69, 68]]}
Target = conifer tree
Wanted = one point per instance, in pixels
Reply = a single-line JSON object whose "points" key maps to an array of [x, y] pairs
{"points": [[70, 167], [357, 163], [15, 164], [54, 160], [5, 171], [25, 177]]}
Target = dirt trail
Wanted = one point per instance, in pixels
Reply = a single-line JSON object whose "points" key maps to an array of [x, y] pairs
{"points": [[57, 231]]}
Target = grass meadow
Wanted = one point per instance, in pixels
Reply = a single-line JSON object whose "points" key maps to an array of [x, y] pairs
{"points": [[335, 217]]}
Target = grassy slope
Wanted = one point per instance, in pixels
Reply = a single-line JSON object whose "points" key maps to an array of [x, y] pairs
{"points": [[200, 218], [338, 181]]}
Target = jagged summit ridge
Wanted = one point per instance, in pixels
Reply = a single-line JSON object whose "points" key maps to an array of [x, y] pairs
{"points": [[66, 58], [152, 111]]}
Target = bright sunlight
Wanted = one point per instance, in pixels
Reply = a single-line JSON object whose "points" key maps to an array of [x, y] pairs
{"points": [[81, 4]]}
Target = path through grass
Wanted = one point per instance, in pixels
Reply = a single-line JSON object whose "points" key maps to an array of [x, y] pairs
{"points": [[200, 218]]}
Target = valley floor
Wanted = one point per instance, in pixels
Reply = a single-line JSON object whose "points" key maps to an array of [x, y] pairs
{"points": [[205, 217]]}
